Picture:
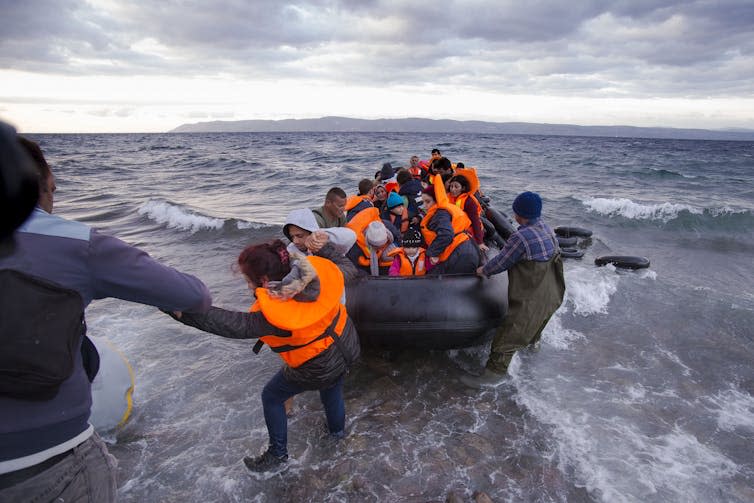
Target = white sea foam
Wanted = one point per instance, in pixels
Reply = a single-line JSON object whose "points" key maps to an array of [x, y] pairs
{"points": [[588, 289], [556, 335], [663, 211], [734, 409], [243, 225], [629, 209], [177, 217], [619, 462]]}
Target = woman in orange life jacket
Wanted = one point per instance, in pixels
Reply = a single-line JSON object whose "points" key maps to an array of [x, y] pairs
{"points": [[299, 314], [444, 227], [461, 194], [395, 212], [411, 259]]}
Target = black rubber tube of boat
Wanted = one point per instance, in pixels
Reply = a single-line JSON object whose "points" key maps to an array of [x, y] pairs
{"points": [[567, 231], [490, 234], [571, 253], [623, 261], [500, 221], [567, 242]]}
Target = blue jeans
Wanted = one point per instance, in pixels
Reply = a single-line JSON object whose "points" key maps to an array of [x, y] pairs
{"points": [[278, 390]]}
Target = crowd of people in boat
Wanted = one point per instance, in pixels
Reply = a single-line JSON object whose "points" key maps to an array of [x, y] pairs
{"points": [[407, 221]]}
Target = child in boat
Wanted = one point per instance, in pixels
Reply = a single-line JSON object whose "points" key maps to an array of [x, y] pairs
{"points": [[395, 212], [411, 259]]}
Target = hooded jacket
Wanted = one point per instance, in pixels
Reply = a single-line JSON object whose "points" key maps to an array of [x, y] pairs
{"points": [[342, 238]]}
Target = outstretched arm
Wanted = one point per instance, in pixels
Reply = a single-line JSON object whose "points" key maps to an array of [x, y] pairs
{"points": [[229, 324]]}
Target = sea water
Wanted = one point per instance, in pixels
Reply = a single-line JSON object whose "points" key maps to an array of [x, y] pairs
{"points": [[643, 389]]}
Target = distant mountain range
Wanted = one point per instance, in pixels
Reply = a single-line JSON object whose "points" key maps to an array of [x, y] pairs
{"points": [[417, 125]]}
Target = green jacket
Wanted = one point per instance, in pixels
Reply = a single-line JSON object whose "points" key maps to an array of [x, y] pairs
{"points": [[324, 222]]}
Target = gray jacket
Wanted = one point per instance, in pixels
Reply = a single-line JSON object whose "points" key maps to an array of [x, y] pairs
{"points": [[74, 256]]}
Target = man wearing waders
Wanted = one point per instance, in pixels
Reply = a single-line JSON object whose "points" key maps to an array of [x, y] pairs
{"points": [[535, 287]]}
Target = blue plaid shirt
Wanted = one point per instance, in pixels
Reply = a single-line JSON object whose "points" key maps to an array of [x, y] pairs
{"points": [[532, 241]]}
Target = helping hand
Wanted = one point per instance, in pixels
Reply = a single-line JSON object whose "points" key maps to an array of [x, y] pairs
{"points": [[316, 241], [480, 272]]}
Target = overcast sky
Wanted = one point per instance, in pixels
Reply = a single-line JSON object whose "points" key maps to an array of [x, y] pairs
{"points": [[104, 65]]}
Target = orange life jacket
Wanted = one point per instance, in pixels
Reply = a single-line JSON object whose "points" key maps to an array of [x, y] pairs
{"points": [[459, 220], [470, 175], [404, 220], [418, 268], [461, 202], [358, 224], [354, 201], [416, 171], [391, 187], [308, 322]]}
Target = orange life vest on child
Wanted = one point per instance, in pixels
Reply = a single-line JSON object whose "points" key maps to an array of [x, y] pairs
{"points": [[418, 268], [459, 220], [404, 220], [358, 224], [308, 322]]}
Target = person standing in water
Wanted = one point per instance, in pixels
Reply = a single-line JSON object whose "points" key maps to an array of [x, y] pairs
{"points": [[535, 287], [299, 313]]}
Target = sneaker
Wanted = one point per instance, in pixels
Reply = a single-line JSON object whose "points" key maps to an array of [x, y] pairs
{"points": [[327, 434], [264, 463], [488, 379]]}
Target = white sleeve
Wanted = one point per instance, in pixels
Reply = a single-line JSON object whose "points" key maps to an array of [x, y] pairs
{"points": [[342, 238]]}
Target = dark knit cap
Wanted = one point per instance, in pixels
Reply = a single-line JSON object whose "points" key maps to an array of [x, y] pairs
{"points": [[528, 205], [387, 171], [412, 238]]}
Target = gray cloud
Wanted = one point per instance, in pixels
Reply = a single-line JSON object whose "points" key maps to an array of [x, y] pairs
{"points": [[633, 48]]}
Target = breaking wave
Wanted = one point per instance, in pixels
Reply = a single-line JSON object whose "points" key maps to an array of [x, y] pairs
{"points": [[682, 215], [175, 216]]}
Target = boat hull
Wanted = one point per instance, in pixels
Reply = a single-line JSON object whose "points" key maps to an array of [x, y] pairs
{"points": [[430, 312]]}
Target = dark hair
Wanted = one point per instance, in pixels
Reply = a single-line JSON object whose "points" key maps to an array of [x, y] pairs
{"points": [[430, 191], [32, 148], [460, 165], [266, 260], [403, 176], [365, 185], [443, 163], [335, 192], [436, 151], [465, 185]]}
